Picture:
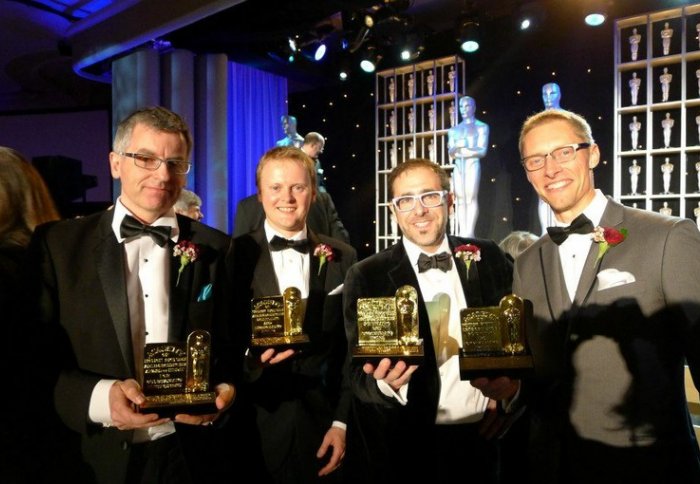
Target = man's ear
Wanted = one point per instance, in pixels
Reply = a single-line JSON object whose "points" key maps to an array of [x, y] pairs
{"points": [[114, 164], [593, 156], [450, 201]]}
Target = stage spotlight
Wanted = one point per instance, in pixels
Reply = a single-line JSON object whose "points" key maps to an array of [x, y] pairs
{"points": [[413, 46], [595, 14], [468, 35], [530, 15], [370, 59], [314, 50]]}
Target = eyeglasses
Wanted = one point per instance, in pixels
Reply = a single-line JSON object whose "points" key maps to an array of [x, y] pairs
{"points": [[560, 155], [152, 163], [427, 199]]}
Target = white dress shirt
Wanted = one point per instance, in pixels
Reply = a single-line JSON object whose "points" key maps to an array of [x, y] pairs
{"points": [[147, 275], [574, 250], [443, 294], [291, 266]]}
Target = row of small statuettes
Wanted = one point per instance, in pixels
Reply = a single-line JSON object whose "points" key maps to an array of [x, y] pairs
{"points": [[666, 210], [410, 86], [667, 124], [666, 35], [411, 119], [665, 81], [666, 170]]}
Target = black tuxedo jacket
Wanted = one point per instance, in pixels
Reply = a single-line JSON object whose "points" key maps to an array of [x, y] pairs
{"points": [[322, 219], [383, 424], [84, 310], [296, 401]]}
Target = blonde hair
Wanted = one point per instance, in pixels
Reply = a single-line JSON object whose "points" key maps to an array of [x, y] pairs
{"points": [[288, 153], [581, 127]]}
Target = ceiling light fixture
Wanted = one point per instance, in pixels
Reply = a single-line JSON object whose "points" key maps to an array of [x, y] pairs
{"points": [[530, 15], [370, 59], [468, 34], [595, 13]]}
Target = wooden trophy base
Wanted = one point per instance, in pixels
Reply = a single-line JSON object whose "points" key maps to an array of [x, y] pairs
{"points": [[202, 403], [296, 342], [512, 366], [411, 354]]}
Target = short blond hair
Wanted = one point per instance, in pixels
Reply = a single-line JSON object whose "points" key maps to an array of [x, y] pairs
{"points": [[576, 121], [287, 153]]}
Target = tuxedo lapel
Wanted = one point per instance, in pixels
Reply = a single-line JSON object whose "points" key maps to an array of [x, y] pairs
{"points": [[471, 283], [554, 288], [316, 278], [588, 276], [109, 257], [179, 290], [264, 278], [612, 217]]}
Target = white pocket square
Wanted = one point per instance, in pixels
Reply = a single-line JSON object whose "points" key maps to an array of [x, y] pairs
{"points": [[337, 290], [612, 278]]}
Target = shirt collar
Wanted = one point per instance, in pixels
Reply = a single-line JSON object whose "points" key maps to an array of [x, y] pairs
{"points": [[413, 251], [169, 219], [271, 232], [594, 210]]}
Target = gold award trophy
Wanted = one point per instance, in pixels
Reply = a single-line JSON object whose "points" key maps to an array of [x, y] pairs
{"points": [[278, 320], [494, 341], [388, 327], [175, 377]]}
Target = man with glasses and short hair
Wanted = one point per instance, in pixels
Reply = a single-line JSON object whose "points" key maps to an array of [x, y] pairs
{"points": [[616, 298], [112, 282], [425, 412]]}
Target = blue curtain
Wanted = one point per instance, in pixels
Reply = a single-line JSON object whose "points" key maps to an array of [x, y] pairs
{"points": [[257, 101], [233, 110]]}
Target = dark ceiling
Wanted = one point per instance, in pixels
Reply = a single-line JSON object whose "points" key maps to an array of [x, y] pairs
{"points": [[37, 58]]}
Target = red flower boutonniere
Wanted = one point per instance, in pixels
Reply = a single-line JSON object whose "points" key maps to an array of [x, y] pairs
{"points": [[324, 252], [468, 253], [187, 252], [607, 237]]}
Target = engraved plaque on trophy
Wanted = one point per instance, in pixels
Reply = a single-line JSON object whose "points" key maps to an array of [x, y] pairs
{"points": [[388, 328], [494, 341], [278, 321], [175, 377]]}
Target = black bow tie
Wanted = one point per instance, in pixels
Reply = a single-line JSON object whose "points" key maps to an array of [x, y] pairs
{"points": [[280, 243], [442, 261], [131, 227], [579, 225]]}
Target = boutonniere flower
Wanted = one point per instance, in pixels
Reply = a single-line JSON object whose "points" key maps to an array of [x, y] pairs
{"points": [[187, 252], [607, 237], [468, 253], [324, 252]]}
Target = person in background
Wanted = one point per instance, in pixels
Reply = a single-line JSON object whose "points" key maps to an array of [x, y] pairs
{"points": [[112, 282], [516, 242], [313, 146], [616, 299], [190, 205], [299, 399], [422, 422], [25, 202]]}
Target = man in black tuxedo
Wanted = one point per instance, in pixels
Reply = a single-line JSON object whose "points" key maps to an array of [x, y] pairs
{"points": [[298, 397], [421, 421], [616, 298], [112, 282]]}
